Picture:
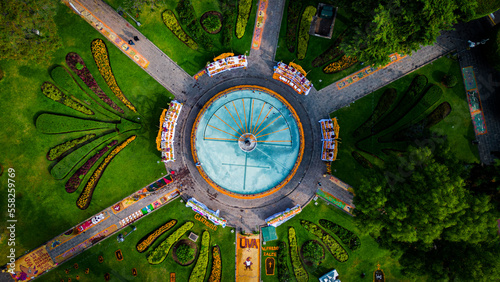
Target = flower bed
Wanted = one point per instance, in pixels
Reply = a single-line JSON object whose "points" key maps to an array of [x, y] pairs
{"points": [[340, 65], [187, 18], [171, 22], [53, 93], [101, 58], [76, 64], [331, 53], [211, 22], [57, 124], [292, 22], [383, 105], [83, 201], [74, 181], [159, 254], [283, 271], [305, 24], [216, 273], [298, 268], [200, 269], [62, 148], [244, 8], [347, 237], [149, 239], [335, 248]]}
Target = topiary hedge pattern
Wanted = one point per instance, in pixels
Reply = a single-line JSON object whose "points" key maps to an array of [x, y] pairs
{"points": [[187, 18], [149, 239], [211, 22], [385, 102], [292, 22], [159, 254], [76, 179], [52, 92], [332, 53], [57, 124], [216, 272], [335, 248], [200, 269], [228, 23], [298, 268], [62, 148], [171, 22], [313, 253], [282, 267], [244, 8], [85, 197], [305, 24], [185, 253], [347, 237], [361, 160], [340, 65]]}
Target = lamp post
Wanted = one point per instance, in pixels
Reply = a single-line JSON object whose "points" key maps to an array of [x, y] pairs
{"points": [[121, 238], [121, 11]]}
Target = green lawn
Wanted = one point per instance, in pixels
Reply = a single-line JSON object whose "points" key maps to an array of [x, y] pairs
{"points": [[42, 205], [192, 61], [362, 260], [317, 46], [122, 270], [457, 126]]}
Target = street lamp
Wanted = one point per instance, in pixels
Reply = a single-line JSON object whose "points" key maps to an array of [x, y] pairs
{"points": [[121, 238]]}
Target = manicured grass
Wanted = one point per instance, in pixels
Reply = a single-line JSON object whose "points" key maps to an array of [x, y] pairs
{"points": [[122, 270], [317, 46], [192, 61], [362, 260], [42, 205], [457, 126]]}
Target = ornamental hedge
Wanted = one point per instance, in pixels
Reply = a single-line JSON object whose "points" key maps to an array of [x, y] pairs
{"points": [[361, 160], [313, 253], [85, 197], [332, 53], [292, 23], [56, 124], [244, 8], [63, 78], [77, 65], [149, 239], [216, 272], [228, 23], [101, 58], [187, 18], [340, 65], [159, 254], [200, 269], [347, 237], [62, 148], [282, 266], [335, 248], [298, 268], [171, 22], [385, 102], [211, 22], [62, 168], [54, 93], [76, 179], [450, 80], [305, 24]]}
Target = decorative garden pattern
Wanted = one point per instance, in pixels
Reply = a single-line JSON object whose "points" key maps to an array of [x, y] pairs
{"points": [[298, 268], [148, 240], [62, 148], [54, 93], [348, 238], [171, 22], [200, 269], [244, 8], [335, 248], [216, 273], [303, 39], [343, 63], [159, 254]]}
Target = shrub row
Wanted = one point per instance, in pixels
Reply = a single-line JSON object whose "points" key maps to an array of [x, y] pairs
{"points": [[383, 105], [187, 18], [101, 58], [335, 248], [85, 197], [361, 160], [330, 54], [305, 24], [54, 93], [244, 8], [292, 21], [171, 22], [282, 267], [298, 268], [57, 124], [149, 239], [411, 96], [74, 181], [200, 269], [347, 237], [62, 148], [61, 169], [216, 272], [159, 254], [77, 65], [228, 23], [343, 63]]}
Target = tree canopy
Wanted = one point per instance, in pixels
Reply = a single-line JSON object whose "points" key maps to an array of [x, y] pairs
{"points": [[27, 29], [385, 27]]}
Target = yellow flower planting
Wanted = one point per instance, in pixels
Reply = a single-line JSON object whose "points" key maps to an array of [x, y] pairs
{"points": [[340, 65], [101, 58], [147, 241], [83, 201], [215, 274]]}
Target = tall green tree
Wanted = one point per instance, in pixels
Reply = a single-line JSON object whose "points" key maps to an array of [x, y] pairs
{"points": [[27, 29], [389, 26]]}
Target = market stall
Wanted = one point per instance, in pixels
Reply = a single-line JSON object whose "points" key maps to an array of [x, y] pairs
{"points": [[166, 134], [329, 132], [294, 76], [224, 63]]}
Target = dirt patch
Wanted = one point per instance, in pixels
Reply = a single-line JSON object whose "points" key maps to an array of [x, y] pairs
{"points": [[190, 244], [205, 15]]}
